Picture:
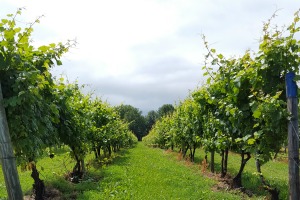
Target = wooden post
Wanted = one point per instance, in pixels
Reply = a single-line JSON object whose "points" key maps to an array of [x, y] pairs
{"points": [[212, 161], [8, 161], [293, 137]]}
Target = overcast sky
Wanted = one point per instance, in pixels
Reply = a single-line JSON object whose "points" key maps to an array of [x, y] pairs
{"points": [[146, 53]]}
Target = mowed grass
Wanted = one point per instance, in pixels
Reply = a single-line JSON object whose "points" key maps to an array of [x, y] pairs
{"points": [[26, 182], [149, 173], [275, 173], [52, 171]]}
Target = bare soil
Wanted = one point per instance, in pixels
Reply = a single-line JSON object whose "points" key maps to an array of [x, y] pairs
{"points": [[50, 194]]}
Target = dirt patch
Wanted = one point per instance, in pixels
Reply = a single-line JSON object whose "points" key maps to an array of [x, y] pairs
{"points": [[168, 151], [50, 194], [225, 184]]}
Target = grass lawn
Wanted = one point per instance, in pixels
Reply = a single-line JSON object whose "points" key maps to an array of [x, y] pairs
{"points": [[148, 173], [275, 172]]}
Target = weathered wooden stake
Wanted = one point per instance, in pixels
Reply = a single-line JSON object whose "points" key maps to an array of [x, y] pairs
{"points": [[293, 137], [212, 161], [8, 161]]}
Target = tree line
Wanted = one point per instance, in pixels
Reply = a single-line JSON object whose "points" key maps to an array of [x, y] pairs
{"points": [[139, 124]]}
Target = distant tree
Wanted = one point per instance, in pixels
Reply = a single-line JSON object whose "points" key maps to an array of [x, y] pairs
{"points": [[165, 109], [150, 119], [134, 117]]}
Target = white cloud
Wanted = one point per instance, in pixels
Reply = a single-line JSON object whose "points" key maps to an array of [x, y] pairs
{"points": [[147, 52]]}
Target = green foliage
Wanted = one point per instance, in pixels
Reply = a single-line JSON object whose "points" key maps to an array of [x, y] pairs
{"points": [[43, 112], [150, 120], [27, 86], [133, 116], [153, 116], [160, 134], [74, 118], [246, 95], [182, 129], [166, 109], [242, 105], [88, 124]]}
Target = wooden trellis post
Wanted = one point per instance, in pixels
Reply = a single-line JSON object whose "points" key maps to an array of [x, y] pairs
{"points": [[7, 158], [293, 137]]}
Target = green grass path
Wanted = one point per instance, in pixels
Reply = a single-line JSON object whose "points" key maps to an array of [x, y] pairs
{"points": [[146, 173]]}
